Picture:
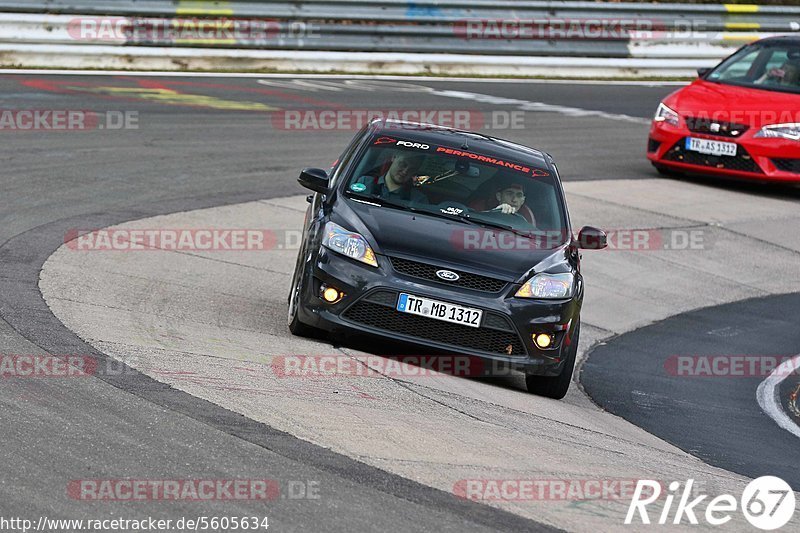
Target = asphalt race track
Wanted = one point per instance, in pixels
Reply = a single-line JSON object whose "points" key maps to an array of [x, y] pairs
{"points": [[384, 454], [704, 415]]}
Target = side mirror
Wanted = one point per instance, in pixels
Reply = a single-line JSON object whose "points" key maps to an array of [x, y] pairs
{"points": [[315, 179], [703, 71], [590, 238]]}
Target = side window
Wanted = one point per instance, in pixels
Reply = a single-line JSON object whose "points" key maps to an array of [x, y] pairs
{"points": [[777, 60], [346, 157], [737, 68]]}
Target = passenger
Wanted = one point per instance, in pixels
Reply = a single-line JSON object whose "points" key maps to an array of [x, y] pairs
{"points": [[398, 181]]}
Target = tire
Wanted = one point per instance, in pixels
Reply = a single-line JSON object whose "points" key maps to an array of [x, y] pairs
{"points": [[556, 387], [664, 171], [297, 326]]}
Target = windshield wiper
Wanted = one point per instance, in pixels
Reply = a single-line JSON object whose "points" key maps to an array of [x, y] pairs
{"points": [[436, 212], [492, 224], [477, 221], [372, 198], [463, 217]]}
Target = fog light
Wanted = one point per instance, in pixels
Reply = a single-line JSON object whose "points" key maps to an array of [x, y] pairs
{"points": [[330, 294], [543, 340]]}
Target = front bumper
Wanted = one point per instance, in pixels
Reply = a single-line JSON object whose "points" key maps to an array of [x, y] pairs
{"points": [[759, 159], [370, 297]]}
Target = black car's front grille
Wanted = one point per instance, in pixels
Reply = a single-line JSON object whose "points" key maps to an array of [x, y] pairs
{"points": [[653, 145], [787, 165], [466, 280], [741, 161], [715, 127], [496, 335]]}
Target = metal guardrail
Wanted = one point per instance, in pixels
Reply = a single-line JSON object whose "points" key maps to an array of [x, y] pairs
{"points": [[423, 11], [530, 29], [282, 35], [438, 12], [419, 8]]}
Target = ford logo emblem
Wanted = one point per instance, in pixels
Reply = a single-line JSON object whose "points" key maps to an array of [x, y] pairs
{"points": [[447, 275]]}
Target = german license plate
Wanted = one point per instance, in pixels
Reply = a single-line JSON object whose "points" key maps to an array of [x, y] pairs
{"points": [[709, 147], [457, 314]]}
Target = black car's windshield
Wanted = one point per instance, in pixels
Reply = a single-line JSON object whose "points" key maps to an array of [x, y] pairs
{"points": [[773, 66], [458, 184]]}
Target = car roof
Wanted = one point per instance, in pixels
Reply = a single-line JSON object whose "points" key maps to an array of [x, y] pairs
{"points": [[779, 39], [455, 138]]}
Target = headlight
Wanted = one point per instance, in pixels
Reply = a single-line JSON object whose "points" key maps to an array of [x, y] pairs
{"points": [[665, 114], [348, 243], [548, 286], [786, 131]]}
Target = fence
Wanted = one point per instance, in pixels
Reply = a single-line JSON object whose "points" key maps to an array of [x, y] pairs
{"points": [[388, 36]]}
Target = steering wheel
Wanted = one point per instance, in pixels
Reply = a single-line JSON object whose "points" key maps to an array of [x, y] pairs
{"points": [[494, 212]]}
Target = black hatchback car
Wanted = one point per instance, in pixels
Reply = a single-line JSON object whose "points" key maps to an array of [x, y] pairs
{"points": [[449, 240]]}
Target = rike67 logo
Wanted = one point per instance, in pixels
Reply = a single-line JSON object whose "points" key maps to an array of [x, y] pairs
{"points": [[768, 503]]}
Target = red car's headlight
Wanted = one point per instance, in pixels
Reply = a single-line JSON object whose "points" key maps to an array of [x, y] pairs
{"points": [[665, 114], [789, 131]]}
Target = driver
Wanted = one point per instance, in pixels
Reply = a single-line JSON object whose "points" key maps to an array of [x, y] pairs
{"points": [[787, 74], [397, 182], [510, 198]]}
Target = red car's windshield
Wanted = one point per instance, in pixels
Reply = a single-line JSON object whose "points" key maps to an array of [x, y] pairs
{"points": [[772, 66]]}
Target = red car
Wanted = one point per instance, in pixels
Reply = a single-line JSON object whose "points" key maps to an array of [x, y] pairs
{"points": [[740, 119]]}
